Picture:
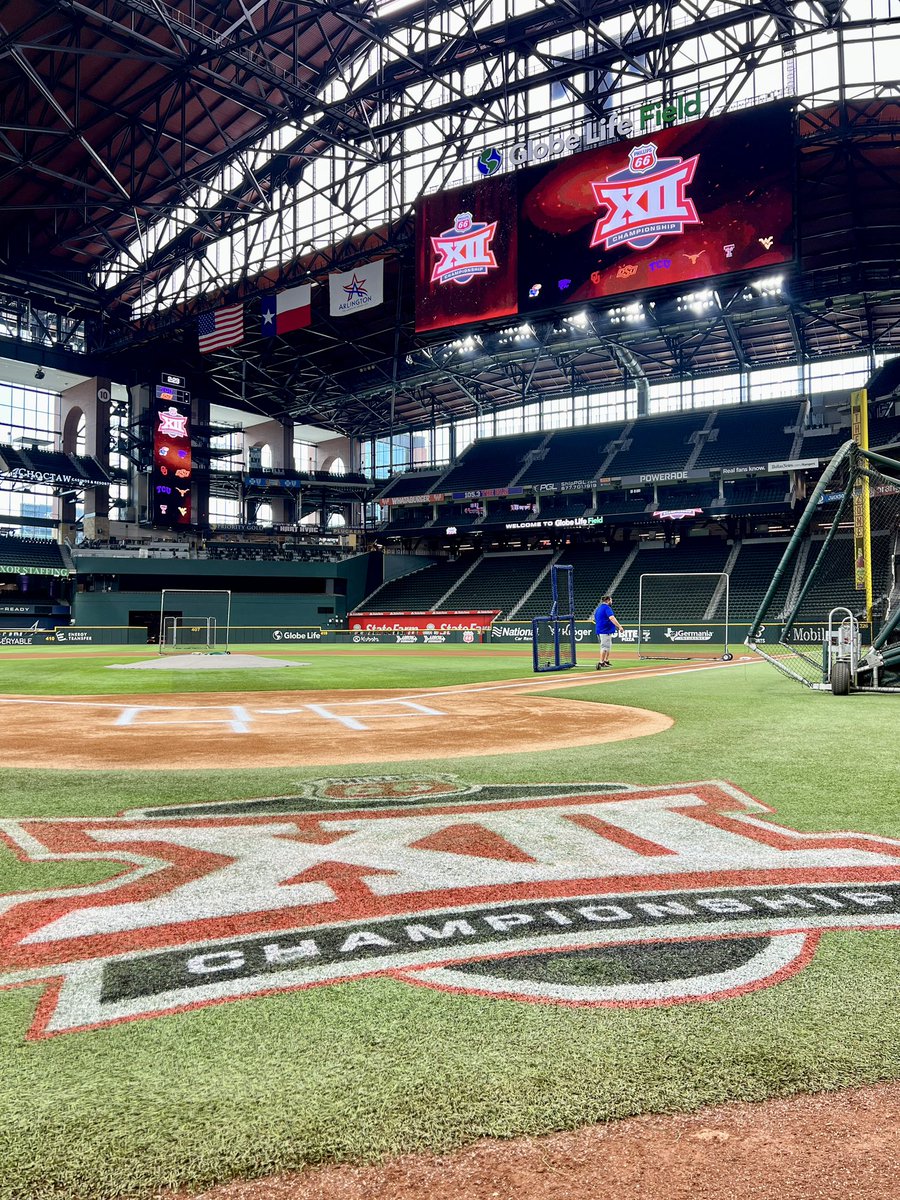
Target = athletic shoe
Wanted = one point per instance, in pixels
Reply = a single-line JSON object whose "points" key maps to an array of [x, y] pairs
{"points": [[599, 665]]}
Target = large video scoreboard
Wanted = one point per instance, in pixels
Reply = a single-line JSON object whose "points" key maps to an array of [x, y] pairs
{"points": [[674, 206]]}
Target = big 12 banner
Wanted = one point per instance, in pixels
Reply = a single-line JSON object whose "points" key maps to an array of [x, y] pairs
{"points": [[172, 473], [466, 254], [671, 206]]}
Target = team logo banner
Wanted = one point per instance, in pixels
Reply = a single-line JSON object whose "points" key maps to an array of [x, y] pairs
{"points": [[679, 204], [353, 291], [575, 894], [466, 254]]}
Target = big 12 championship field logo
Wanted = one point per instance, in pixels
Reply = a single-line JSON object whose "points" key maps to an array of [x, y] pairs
{"points": [[576, 894]]}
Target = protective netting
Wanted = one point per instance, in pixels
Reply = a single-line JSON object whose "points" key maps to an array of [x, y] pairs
{"points": [[683, 615], [553, 642], [820, 582], [194, 619]]}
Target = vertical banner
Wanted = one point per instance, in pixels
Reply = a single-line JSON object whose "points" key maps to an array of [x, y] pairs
{"points": [[466, 254], [170, 479], [862, 526]]}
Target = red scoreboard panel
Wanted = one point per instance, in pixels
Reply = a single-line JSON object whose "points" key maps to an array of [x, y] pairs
{"points": [[673, 206], [466, 254]]}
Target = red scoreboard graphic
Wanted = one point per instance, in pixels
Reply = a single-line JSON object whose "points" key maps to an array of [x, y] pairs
{"points": [[466, 255], [672, 206], [170, 479]]}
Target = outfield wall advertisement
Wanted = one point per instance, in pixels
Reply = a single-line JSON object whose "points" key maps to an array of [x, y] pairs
{"points": [[674, 206]]}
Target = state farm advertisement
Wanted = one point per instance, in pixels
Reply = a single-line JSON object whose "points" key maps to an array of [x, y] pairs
{"points": [[676, 205], [466, 254], [423, 622]]}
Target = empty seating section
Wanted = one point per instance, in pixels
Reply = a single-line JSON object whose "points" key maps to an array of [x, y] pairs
{"points": [[595, 570], [824, 445], [421, 590], [26, 554], [562, 507], [675, 599], [751, 575], [572, 454], [417, 484], [756, 494], [657, 444], [672, 499], [490, 462], [750, 435], [75, 466], [409, 517], [623, 504], [499, 581], [833, 585], [883, 431]]}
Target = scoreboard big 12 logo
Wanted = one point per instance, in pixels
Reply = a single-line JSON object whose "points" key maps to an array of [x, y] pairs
{"points": [[645, 200]]}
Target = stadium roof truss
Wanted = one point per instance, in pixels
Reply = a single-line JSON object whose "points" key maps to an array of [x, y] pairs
{"points": [[159, 158]]}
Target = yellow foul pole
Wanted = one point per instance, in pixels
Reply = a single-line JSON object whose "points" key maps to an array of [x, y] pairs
{"points": [[862, 527]]}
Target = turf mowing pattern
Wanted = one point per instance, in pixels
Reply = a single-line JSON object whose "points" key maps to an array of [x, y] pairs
{"points": [[375, 1067]]}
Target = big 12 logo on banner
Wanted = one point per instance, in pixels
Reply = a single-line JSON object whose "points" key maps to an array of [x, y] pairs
{"points": [[466, 243]]}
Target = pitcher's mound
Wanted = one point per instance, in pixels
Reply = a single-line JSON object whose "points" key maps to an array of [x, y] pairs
{"points": [[208, 662]]}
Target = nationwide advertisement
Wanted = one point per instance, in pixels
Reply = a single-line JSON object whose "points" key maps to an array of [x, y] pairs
{"points": [[422, 622], [672, 206], [466, 255]]}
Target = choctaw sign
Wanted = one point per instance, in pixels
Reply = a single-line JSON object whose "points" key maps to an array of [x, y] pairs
{"points": [[584, 894]]}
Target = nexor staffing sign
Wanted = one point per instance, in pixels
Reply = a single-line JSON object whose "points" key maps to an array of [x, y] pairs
{"points": [[585, 894]]}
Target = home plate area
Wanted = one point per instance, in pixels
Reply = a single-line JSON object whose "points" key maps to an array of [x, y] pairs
{"points": [[247, 729]]}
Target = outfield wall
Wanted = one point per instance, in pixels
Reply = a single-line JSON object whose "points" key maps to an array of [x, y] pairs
{"points": [[681, 637]]}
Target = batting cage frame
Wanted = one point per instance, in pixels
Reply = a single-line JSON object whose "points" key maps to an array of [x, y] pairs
{"points": [[202, 623], [560, 627], [823, 642], [722, 590]]}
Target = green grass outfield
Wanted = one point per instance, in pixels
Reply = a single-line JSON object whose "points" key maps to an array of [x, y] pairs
{"points": [[360, 1070]]}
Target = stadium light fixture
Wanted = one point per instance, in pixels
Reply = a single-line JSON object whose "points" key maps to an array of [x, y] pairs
{"points": [[579, 320], [697, 302], [627, 313], [770, 285]]}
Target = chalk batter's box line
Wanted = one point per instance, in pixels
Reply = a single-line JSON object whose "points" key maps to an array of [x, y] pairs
{"points": [[240, 719]]}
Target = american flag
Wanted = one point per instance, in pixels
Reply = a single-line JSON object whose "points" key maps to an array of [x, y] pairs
{"points": [[223, 327]]}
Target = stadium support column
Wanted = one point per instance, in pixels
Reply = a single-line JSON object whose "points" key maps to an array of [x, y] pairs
{"points": [[200, 410], [89, 400], [278, 438]]}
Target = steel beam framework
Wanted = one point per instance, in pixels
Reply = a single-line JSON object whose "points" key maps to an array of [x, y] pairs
{"points": [[137, 137]]}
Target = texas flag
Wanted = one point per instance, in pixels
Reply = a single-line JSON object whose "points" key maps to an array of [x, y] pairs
{"points": [[286, 311]]}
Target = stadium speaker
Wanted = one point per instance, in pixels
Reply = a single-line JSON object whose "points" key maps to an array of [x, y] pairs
{"points": [[885, 381]]}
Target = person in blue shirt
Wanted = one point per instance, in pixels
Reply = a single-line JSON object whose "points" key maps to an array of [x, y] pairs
{"points": [[605, 625]]}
